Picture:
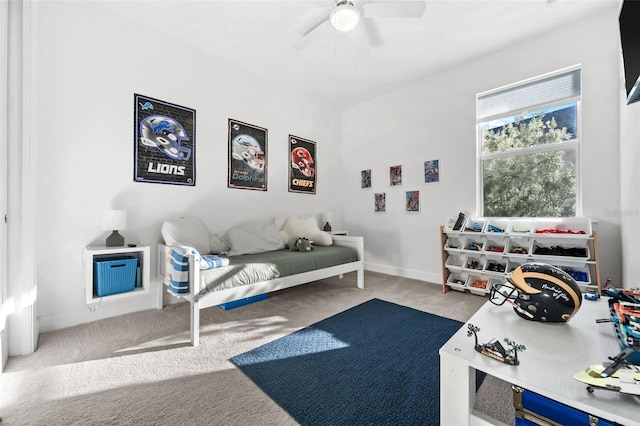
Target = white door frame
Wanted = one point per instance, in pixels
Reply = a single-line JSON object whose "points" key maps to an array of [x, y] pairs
{"points": [[4, 53], [22, 328]]}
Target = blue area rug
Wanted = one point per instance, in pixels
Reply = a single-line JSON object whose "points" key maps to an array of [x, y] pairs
{"points": [[375, 364]]}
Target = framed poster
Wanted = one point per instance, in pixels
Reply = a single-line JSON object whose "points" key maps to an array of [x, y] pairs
{"points": [[395, 175], [247, 165], [164, 142], [412, 204], [302, 166], [432, 171], [365, 179], [380, 202]]}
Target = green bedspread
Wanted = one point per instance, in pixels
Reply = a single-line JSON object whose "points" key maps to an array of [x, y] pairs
{"points": [[253, 268]]}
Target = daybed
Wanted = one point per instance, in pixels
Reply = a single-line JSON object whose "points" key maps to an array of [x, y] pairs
{"points": [[252, 259]]}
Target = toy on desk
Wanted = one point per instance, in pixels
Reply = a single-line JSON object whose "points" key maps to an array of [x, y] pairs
{"points": [[494, 349], [618, 375], [624, 312], [539, 292], [591, 295]]}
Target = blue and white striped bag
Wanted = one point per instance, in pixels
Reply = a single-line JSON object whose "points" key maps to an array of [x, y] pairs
{"points": [[178, 268]]}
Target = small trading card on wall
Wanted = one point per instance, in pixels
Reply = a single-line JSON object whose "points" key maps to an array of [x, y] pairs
{"points": [[413, 201], [247, 164], [380, 202], [164, 142], [302, 166], [365, 179], [432, 171], [395, 175]]}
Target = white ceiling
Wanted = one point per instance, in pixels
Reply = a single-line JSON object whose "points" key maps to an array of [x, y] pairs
{"points": [[343, 69]]}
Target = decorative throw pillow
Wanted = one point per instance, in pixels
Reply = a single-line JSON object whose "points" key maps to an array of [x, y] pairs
{"points": [[186, 231], [306, 227], [251, 238], [217, 244]]}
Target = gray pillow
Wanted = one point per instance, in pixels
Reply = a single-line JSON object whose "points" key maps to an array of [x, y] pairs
{"points": [[256, 237]]}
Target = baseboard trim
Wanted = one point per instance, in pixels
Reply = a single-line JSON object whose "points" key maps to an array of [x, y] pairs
{"points": [[405, 273]]}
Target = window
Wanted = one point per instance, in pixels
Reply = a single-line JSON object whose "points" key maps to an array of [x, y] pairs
{"points": [[528, 137]]}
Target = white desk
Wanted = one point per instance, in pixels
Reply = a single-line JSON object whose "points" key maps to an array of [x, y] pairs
{"points": [[555, 352]]}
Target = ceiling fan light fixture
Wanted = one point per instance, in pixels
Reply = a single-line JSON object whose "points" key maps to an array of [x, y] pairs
{"points": [[345, 16]]}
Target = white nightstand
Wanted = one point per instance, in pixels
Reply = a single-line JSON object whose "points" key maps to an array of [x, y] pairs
{"points": [[91, 253], [339, 233]]}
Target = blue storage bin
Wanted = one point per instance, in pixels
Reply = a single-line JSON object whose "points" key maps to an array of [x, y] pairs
{"points": [[241, 302], [533, 410], [113, 275]]}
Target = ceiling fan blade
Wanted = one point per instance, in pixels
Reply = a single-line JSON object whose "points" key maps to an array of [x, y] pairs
{"points": [[394, 9], [311, 34], [372, 33]]}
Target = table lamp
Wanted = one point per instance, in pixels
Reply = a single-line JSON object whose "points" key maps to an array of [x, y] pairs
{"points": [[327, 217], [114, 220]]}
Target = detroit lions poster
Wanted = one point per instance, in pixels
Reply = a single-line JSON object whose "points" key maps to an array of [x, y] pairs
{"points": [[164, 141], [247, 156], [302, 169]]}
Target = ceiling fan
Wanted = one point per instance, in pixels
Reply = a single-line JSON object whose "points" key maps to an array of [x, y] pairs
{"points": [[346, 15]]}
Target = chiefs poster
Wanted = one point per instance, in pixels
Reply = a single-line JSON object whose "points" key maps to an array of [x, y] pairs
{"points": [[302, 167]]}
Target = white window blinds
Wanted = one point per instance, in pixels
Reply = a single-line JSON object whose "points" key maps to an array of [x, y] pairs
{"points": [[516, 98]]}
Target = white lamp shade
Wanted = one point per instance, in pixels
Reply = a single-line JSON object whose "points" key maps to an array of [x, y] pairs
{"points": [[114, 220], [327, 217], [345, 16]]}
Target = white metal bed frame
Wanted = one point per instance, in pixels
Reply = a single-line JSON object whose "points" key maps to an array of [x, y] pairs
{"points": [[202, 301]]}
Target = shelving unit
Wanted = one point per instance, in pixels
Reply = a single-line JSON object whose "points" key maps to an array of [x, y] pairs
{"points": [[142, 253], [484, 250]]}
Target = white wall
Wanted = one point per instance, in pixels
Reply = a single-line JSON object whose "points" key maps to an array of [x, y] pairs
{"points": [[435, 119], [88, 63]]}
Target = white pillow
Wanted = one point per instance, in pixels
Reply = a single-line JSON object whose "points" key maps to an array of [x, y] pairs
{"points": [[307, 227], [217, 244], [254, 237], [186, 231]]}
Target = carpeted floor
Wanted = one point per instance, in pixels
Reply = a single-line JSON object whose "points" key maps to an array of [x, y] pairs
{"points": [[139, 369]]}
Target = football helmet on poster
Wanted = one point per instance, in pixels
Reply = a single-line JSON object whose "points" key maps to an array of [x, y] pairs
{"points": [[540, 292], [301, 159], [165, 134], [247, 149]]}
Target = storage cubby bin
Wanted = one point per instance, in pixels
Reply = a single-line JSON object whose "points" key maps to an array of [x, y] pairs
{"points": [[579, 273], [578, 227], [454, 244], [474, 263], [474, 225], [454, 262], [478, 284], [557, 248], [497, 226], [457, 281], [448, 228], [523, 226], [494, 247], [493, 266], [518, 247], [474, 244]]}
